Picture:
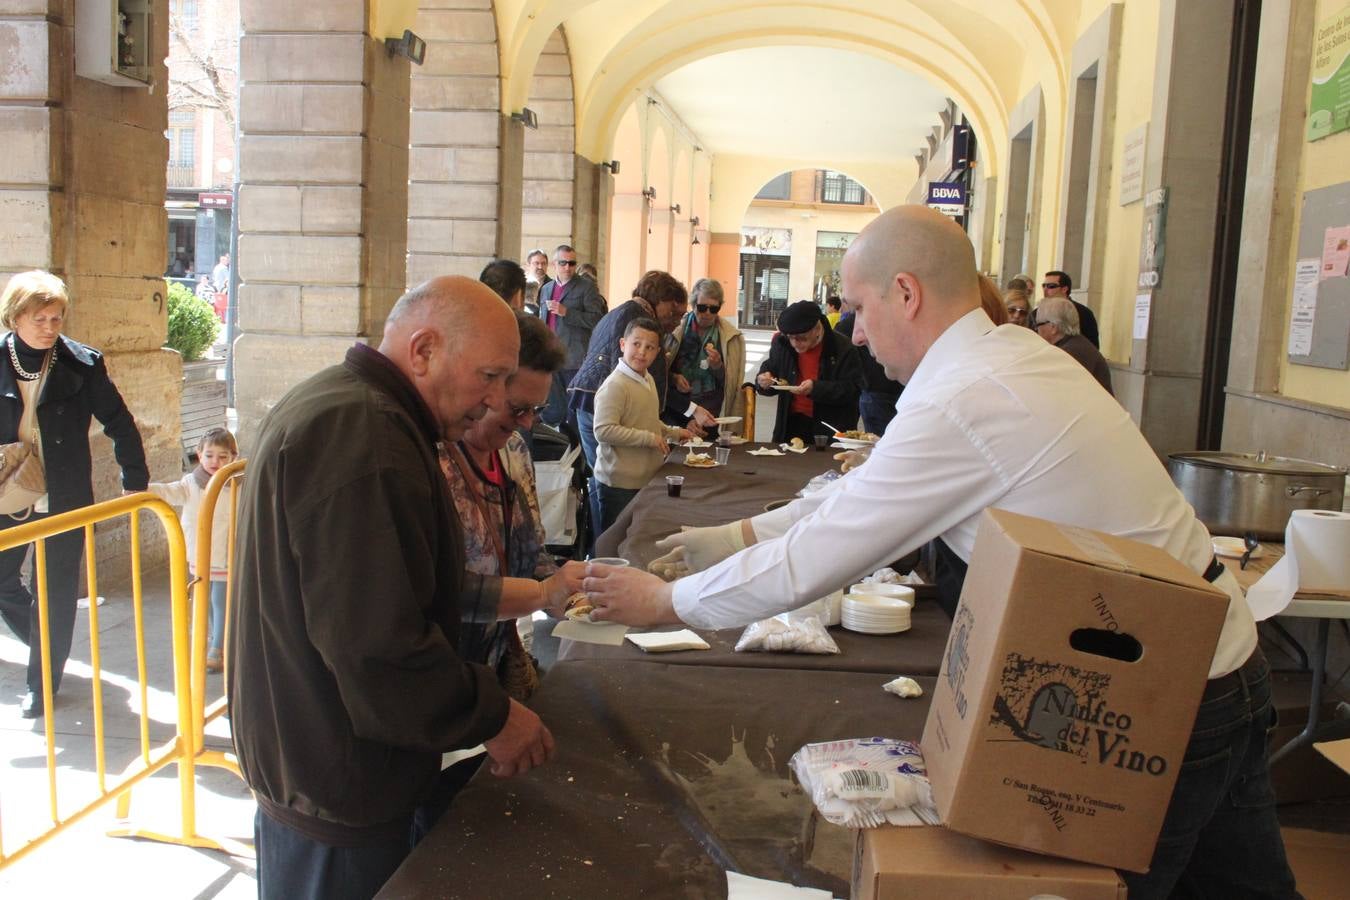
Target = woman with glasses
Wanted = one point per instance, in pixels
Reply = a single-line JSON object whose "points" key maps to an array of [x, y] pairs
{"points": [[1018, 304], [709, 362]]}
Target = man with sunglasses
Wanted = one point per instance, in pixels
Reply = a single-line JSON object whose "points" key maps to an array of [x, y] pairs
{"points": [[1059, 284], [571, 306]]}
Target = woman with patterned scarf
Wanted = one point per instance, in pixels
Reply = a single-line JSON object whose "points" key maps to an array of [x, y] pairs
{"points": [[709, 363]]}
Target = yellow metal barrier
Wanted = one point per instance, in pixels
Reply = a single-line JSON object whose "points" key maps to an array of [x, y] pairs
{"points": [[183, 749]]}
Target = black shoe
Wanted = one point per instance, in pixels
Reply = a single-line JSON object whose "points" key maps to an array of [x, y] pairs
{"points": [[31, 708]]}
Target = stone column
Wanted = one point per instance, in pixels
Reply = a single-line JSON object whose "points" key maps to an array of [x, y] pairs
{"points": [[1161, 387], [82, 175], [456, 133], [323, 193], [546, 214]]}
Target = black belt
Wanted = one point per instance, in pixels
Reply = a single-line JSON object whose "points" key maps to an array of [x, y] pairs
{"points": [[1214, 570]]}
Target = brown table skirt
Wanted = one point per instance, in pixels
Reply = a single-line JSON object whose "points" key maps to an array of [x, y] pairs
{"points": [[665, 777]]}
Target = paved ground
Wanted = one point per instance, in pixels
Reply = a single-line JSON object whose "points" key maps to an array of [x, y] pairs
{"points": [[84, 861]]}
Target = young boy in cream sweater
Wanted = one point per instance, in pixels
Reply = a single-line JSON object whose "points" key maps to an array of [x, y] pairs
{"points": [[633, 441]]}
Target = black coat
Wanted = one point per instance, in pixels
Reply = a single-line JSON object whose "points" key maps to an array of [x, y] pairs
{"points": [[603, 355], [874, 376], [77, 389], [585, 307], [836, 389]]}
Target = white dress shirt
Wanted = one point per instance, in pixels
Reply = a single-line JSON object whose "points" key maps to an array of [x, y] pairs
{"points": [[992, 417]]}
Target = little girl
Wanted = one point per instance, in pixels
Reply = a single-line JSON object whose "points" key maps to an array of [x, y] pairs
{"points": [[216, 449]]}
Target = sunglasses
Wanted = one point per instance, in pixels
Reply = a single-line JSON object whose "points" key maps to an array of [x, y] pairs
{"points": [[1050, 285], [705, 308], [566, 262], [520, 413]]}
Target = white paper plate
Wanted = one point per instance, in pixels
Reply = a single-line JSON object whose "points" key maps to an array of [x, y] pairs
{"points": [[878, 603], [863, 629], [727, 420], [1234, 547], [853, 444], [781, 387], [882, 589]]}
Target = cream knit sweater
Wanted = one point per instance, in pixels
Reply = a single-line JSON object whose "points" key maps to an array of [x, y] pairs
{"points": [[627, 427]]}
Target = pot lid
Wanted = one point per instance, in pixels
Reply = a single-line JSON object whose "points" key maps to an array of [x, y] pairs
{"points": [[1259, 461]]}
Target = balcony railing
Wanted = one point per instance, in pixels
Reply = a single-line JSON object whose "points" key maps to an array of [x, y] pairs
{"points": [[182, 176]]}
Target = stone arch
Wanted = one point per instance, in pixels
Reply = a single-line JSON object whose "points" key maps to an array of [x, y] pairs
{"points": [[549, 174], [455, 136]]}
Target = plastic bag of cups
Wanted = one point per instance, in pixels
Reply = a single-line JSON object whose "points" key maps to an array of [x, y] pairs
{"points": [[867, 782]]}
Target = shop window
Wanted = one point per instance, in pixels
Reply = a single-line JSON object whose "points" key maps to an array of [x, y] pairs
{"points": [[186, 11]]}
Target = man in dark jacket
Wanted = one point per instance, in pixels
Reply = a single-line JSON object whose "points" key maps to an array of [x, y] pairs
{"points": [[1057, 322], [815, 373], [1059, 284], [571, 305], [879, 393], [345, 684]]}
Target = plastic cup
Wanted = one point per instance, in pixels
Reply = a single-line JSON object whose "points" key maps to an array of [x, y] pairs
{"points": [[822, 442], [723, 455], [610, 561], [673, 485]]}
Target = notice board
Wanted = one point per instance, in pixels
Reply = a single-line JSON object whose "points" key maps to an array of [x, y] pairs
{"points": [[1319, 327]]}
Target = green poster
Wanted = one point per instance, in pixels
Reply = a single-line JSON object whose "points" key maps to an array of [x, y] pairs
{"points": [[1329, 108]]}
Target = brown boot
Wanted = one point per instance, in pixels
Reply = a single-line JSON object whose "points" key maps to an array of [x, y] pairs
{"points": [[215, 661]]}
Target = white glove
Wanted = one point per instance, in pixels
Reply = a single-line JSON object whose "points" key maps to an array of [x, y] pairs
{"points": [[851, 459], [696, 549]]}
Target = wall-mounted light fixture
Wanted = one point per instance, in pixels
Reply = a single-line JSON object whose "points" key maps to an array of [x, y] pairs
{"points": [[650, 194], [693, 226], [526, 117], [410, 45], [693, 223], [675, 208], [612, 165], [694, 242]]}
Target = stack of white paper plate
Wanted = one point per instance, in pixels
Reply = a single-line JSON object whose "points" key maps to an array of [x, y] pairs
{"points": [[875, 614]]}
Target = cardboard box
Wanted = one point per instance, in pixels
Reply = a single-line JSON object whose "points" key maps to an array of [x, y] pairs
{"points": [[893, 863], [1320, 860], [1072, 674]]}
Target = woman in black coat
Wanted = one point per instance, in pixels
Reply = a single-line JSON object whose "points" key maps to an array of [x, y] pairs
{"points": [[77, 388]]}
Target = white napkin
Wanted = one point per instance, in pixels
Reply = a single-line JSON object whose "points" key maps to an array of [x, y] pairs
{"points": [[765, 451], [792, 449], [746, 887], [608, 633], [665, 641], [1316, 558], [903, 687]]}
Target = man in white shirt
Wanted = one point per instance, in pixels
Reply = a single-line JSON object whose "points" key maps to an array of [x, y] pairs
{"points": [[990, 417]]}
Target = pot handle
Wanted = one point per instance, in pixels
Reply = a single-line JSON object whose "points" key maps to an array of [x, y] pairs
{"points": [[1295, 489]]}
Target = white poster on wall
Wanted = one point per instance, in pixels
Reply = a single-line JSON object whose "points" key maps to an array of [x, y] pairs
{"points": [[1143, 303], [1132, 165], [1304, 308]]}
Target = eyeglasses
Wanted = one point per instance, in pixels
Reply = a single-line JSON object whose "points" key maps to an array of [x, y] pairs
{"points": [[520, 413], [705, 308], [566, 262], [1050, 285]]}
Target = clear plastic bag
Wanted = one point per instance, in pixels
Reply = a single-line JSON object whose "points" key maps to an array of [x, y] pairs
{"points": [[820, 481], [867, 782], [788, 633]]}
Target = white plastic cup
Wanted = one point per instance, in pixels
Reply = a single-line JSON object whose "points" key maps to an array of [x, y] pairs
{"points": [[723, 455]]}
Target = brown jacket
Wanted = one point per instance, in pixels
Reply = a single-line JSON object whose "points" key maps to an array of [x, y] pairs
{"points": [[345, 685]]}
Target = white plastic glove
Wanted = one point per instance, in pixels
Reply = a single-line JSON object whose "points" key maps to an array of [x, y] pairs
{"points": [[851, 459], [696, 549]]}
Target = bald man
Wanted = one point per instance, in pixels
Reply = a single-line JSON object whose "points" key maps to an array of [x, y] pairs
{"points": [[990, 417], [345, 683]]}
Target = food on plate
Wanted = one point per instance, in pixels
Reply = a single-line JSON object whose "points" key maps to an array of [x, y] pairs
{"points": [[700, 461], [855, 435], [781, 381], [578, 607], [797, 443]]}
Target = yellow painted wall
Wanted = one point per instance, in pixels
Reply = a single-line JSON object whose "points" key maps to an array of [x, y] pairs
{"points": [[1325, 162], [1134, 105], [390, 18]]}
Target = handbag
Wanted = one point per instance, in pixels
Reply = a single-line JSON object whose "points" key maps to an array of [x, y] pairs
{"points": [[23, 480]]}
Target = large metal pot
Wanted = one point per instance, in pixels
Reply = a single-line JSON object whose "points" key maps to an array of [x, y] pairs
{"points": [[1254, 493]]}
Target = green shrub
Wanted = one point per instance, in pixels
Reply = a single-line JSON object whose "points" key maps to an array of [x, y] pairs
{"points": [[193, 325]]}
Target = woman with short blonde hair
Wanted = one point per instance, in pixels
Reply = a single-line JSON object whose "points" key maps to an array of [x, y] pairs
{"points": [[50, 389]]}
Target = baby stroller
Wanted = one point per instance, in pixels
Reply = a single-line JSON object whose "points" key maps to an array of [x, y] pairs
{"points": [[561, 478]]}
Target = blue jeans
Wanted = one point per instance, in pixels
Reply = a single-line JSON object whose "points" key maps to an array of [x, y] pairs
{"points": [[877, 411], [589, 447], [613, 501], [292, 866], [216, 617], [1221, 837]]}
